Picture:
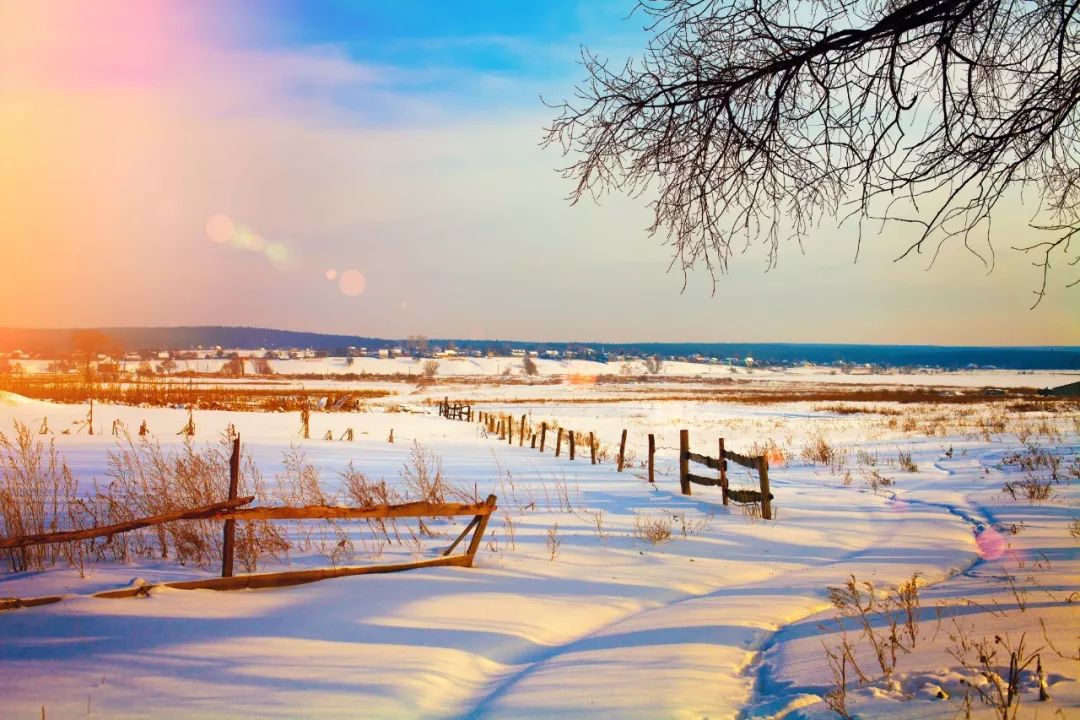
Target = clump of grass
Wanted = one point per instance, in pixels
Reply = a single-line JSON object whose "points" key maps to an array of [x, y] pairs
{"points": [[819, 452], [906, 463], [553, 541], [653, 529], [1032, 488]]}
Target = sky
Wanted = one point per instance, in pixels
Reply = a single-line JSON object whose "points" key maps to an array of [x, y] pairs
{"points": [[375, 168]]}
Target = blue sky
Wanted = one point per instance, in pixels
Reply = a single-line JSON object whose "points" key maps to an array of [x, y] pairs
{"points": [[375, 168]]}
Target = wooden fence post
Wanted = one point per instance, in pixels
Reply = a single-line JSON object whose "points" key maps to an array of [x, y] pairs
{"points": [[509, 430], [229, 540], [543, 435], [592, 447], [521, 440], [571, 432], [766, 503], [558, 443], [534, 441], [684, 461], [622, 450], [652, 457], [723, 472]]}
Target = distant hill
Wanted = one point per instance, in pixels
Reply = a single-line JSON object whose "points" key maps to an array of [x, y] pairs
{"points": [[179, 338], [49, 342]]}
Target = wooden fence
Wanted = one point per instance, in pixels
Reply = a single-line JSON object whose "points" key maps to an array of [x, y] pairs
{"points": [[455, 410], [719, 463], [504, 427], [231, 510]]}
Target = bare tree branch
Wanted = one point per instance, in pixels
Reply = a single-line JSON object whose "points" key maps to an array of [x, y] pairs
{"points": [[754, 120]]}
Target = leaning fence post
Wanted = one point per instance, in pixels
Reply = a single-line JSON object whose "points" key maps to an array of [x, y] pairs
{"points": [[558, 443], [229, 539], [652, 457], [543, 435], [478, 533], [622, 450], [723, 472], [592, 447], [571, 432], [684, 461], [521, 440], [766, 503]]}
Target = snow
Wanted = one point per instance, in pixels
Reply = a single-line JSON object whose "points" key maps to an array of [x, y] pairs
{"points": [[720, 621], [493, 367]]}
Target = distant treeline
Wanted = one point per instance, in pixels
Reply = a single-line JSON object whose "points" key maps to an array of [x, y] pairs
{"points": [[109, 340]]}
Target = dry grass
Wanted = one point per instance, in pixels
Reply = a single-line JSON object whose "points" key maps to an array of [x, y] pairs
{"points": [[39, 494], [655, 530], [271, 398], [819, 452]]}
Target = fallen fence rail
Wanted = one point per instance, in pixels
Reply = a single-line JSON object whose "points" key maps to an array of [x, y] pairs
{"points": [[205, 512]]}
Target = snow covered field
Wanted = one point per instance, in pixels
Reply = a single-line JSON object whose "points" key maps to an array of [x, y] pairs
{"points": [[571, 609], [494, 367]]}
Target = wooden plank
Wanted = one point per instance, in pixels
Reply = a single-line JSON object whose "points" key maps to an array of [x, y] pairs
{"points": [[702, 480], [745, 460], [746, 496], [723, 472], [205, 512], [300, 577], [322, 512], [652, 458], [711, 463], [684, 461], [766, 496], [470, 526], [13, 603], [478, 534], [622, 450], [228, 545]]}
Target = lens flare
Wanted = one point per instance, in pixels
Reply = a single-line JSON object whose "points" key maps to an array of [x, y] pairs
{"points": [[220, 228], [331, 274], [352, 283], [990, 544], [277, 252]]}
